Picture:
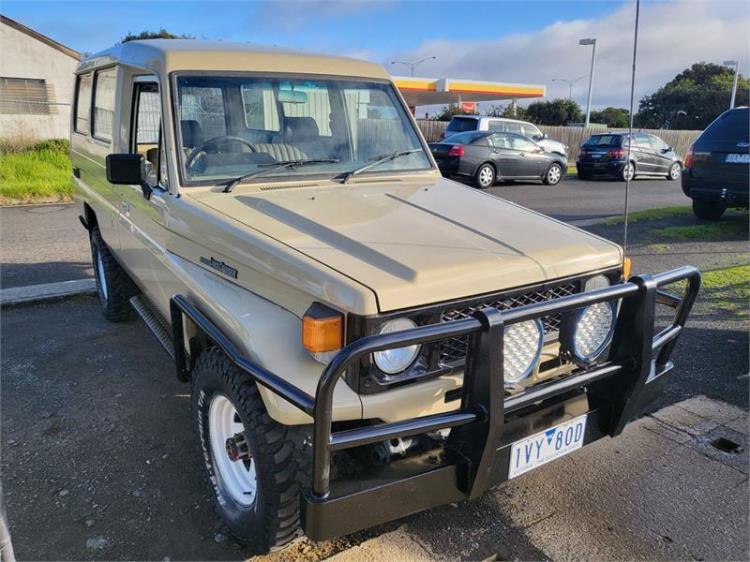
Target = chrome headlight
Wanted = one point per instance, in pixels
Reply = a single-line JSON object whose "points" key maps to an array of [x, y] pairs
{"points": [[392, 361], [522, 346], [590, 331]]}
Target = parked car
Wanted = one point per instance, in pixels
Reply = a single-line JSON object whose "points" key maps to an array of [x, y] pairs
{"points": [[466, 123], [362, 338], [486, 157], [717, 166], [606, 155]]}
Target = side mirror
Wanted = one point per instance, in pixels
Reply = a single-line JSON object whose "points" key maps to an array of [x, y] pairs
{"points": [[128, 169], [668, 149]]}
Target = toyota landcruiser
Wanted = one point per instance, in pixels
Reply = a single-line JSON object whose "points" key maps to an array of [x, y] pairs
{"points": [[364, 339]]}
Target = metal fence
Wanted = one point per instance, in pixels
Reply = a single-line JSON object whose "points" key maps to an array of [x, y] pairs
{"points": [[680, 141]]}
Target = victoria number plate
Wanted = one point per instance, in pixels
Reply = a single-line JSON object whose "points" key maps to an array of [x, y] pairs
{"points": [[546, 446]]}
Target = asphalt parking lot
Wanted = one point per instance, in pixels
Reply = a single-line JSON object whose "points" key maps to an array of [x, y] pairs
{"points": [[96, 431]]}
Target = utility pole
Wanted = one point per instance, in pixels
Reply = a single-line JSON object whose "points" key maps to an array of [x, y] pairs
{"points": [[570, 83], [589, 41], [412, 65], [736, 65]]}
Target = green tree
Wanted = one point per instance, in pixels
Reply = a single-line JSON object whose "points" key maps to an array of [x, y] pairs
{"points": [[693, 99], [615, 117], [161, 34], [554, 112], [506, 111], [449, 111]]}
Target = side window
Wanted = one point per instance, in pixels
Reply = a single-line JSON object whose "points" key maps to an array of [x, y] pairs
{"points": [[500, 140], [259, 104], [522, 143], [641, 141], [657, 143], [530, 131], [83, 103], [146, 135], [104, 103], [202, 114], [495, 126], [511, 127]]}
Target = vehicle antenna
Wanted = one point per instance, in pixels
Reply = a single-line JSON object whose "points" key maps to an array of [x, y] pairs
{"points": [[628, 176]]}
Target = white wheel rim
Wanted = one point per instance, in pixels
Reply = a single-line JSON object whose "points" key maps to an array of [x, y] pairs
{"points": [[238, 477], [628, 174], [100, 275], [675, 172], [554, 174], [485, 176]]}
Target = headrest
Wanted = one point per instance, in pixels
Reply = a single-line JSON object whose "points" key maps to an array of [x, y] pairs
{"points": [[192, 133], [302, 127]]}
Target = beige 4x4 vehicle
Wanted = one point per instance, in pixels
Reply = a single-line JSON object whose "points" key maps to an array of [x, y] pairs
{"points": [[364, 338]]}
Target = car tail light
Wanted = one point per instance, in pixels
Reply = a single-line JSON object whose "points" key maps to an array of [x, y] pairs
{"points": [[616, 153], [456, 150], [689, 157]]}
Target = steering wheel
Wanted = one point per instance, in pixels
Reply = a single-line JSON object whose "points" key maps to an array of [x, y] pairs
{"points": [[216, 140]]}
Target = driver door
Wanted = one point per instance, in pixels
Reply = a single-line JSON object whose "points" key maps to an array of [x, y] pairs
{"points": [[143, 233]]}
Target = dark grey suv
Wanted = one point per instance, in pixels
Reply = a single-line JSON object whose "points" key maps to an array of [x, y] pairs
{"points": [[718, 164], [606, 154]]}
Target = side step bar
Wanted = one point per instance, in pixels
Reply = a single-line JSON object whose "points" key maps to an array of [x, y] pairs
{"points": [[155, 323]]}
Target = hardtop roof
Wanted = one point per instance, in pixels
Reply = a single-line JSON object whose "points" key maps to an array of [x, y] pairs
{"points": [[163, 56]]}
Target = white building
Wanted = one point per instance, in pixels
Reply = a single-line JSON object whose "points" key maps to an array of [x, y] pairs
{"points": [[36, 84]]}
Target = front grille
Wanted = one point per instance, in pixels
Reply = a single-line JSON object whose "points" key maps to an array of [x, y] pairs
{"points": [[453, 350]]}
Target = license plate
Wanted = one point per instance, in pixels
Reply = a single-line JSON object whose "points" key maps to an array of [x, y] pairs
{"points": [[546, 446], [595, 155], [737, 159]]}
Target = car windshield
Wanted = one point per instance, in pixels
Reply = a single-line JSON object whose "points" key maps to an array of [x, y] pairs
{"points": [[232, 126], [604, 140], [461, 124]]}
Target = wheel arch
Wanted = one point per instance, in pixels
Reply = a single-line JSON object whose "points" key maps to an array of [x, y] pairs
{"points": [[491, 163]]}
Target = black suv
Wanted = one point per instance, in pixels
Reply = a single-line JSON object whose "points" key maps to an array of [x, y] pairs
{"points": [[718, 164], [606, 154]]}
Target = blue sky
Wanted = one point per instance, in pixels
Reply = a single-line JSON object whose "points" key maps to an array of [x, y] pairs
{"points": [[377, 28], [530, 41]]}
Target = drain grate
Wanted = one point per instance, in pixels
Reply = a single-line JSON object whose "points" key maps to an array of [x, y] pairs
{"points": [[726, 445]]}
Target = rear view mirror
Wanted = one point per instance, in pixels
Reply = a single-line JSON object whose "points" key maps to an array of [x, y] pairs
{"points": [[128, 169], [292, 96]]}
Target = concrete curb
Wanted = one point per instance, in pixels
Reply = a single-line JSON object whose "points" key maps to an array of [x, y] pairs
{"points": [[46, 291]]}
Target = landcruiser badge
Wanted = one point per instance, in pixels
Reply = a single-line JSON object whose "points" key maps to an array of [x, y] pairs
{"points": [[220, 266]]}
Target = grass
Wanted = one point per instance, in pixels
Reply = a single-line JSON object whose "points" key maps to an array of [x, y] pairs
{"points": [[728, 288], [37, 173], [707, 231], [660, 213]]}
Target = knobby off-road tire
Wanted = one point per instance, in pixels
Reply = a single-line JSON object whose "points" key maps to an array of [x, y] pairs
{"points": [[266, 518], [114, 286]]}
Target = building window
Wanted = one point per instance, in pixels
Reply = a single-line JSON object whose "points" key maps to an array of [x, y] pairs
{"points": [[104, 103], [83, 103], [26, 96]]}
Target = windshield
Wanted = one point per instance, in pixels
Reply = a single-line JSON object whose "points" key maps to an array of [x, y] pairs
{"points": [[604, 140], [234, 126]]}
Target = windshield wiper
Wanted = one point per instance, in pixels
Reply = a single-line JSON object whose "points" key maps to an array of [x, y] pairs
{"points": [[378, 160], [276, 166]]}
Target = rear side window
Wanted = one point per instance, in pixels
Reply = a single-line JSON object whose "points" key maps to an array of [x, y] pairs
{"points": [[466, 138], [462, 124], [83, 103], [604, 140], [732, 126], [104, 103]]}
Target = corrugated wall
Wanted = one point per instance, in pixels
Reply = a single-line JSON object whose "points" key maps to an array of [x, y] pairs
{"points": [[574, 136]]}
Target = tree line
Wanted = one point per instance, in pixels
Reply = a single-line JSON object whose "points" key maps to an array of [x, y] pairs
{"points": [[690, 101]]}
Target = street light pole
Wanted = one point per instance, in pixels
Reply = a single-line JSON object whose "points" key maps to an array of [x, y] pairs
{"points": [[736, 64], [589, 41], [570, 83], [412, 65]]}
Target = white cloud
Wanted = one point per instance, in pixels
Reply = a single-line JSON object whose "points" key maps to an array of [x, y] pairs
{"points": [[672, 36]]}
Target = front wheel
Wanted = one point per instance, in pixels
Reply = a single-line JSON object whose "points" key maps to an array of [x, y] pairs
{"points": [[674, 171], [553, 175], [708, 210], [485, 176], [255, 466]]}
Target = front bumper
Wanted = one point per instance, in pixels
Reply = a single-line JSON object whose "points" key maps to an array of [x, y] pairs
{"points": [[476, 454]]}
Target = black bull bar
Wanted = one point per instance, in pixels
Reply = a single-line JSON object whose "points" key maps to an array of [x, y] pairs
{"points": [[487, 422]]}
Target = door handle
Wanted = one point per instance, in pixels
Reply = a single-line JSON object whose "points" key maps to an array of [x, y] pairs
{"points": [[522, 154]]}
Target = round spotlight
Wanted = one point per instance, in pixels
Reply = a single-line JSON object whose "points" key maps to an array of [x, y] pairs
{"points": [[522, 346], [392, 361], [596, 282], [588, 333]]}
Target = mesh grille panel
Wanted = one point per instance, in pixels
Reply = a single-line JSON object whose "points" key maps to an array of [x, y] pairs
{"points": [[454, 349]]}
